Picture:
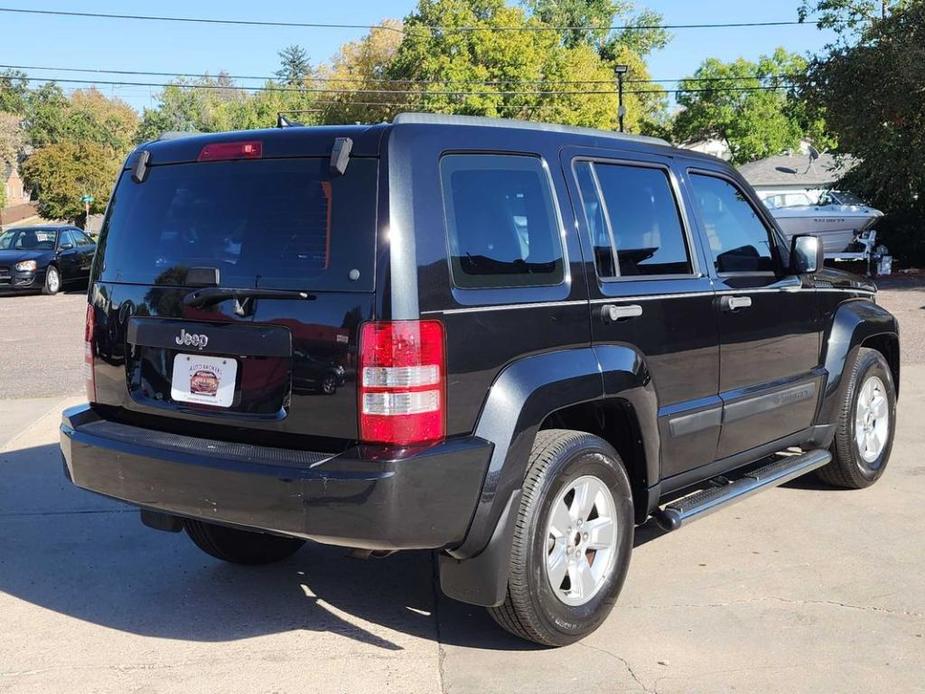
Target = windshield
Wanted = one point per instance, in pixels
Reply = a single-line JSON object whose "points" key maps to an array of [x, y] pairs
{"points": [[273, 223], [837, 197], [28, 240], [787, 200]]}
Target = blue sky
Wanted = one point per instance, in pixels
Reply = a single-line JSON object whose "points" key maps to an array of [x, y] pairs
{"points": [[170, 47]]}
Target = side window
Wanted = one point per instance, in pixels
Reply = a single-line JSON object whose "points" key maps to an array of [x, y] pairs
{"points": [[601, 240], [739, 240], [501, 221], [67, 237], [82, 238], [640, 217]]}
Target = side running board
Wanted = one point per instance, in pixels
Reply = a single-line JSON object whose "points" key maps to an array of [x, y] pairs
{"points": [[704, 502]]}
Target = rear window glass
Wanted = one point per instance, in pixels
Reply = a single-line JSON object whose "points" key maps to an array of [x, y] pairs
{"points": [[273, 223], [501, 221]]}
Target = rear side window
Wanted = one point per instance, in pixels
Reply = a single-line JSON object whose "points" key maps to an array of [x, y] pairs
{"points": [[645, 223], [501, 221], [273, 223], [739, 240]]}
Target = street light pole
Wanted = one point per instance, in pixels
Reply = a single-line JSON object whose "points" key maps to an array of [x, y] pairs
{"points": [[621, 109]]}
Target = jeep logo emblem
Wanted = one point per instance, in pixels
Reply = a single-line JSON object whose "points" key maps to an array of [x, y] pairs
{"points": [[188, 339]]}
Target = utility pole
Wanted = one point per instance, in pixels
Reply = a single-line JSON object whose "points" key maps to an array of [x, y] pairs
{"points": [[621, 109]]}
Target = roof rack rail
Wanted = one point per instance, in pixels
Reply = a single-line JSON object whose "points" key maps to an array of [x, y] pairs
{"points": [[485, 122]]}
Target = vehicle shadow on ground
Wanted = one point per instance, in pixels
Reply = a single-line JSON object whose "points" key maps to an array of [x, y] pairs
{"points": [[67, 550]]}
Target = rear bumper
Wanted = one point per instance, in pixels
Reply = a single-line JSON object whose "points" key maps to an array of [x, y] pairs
{"points": [[420, 501]]}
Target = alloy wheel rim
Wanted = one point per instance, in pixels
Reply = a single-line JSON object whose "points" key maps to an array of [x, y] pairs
{"points": [[872, 419], [581, 539], [52, 280]]}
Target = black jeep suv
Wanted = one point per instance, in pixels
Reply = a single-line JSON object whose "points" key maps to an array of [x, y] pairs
{"points": [[541, 336]]}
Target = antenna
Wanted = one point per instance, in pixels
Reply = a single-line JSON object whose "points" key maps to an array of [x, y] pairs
{"points": [[813, 156]]}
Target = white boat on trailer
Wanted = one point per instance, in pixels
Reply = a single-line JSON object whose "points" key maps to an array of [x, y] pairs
{"points": [[839, 219]]}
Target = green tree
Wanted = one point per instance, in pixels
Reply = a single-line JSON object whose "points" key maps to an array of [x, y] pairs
{"points": [[214, 104], [602, 15], [61, 173], [872, 97], [11, 142], [360, 68], [846, 17], [13, 90], [79, 144], [752, 106], [647, 104], [45, 113], [495, 72], [295, 69]]}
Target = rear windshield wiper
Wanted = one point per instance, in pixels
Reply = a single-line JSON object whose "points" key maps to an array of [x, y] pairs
{"points": [[243, 297]]}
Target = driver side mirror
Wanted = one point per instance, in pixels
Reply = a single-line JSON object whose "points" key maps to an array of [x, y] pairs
{"points": [[66, 246], [806, 255]]}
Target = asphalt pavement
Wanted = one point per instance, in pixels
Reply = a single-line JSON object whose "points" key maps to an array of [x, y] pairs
{"points": [[41, 344], [799, 589]]}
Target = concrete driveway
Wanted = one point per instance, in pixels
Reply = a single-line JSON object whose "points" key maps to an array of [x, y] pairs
{"points": [[799, 589]]}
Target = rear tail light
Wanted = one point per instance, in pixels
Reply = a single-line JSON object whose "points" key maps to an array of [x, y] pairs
{"points": [[223, 151], [402, 383], [89, 373]]}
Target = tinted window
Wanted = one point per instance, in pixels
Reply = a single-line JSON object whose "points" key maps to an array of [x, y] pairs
{"points": [[68, 237], [277, 223], [501, 221], [645, 221], [82, 238], [598, 229], [739, 241]]}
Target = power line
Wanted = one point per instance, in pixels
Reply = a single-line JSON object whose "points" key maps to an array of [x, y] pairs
{"points": [[383, 80], [321, 25], [234, 87]]}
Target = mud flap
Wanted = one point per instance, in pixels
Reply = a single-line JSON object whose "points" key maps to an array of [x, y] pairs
{"points": [[482, 580]]}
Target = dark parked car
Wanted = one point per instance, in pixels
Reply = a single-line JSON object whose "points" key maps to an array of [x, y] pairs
{"points": [[548, 335], [44, 258]]}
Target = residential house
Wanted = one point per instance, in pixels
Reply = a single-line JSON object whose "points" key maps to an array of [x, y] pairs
{"points": [[795, 178], [18, 205]]}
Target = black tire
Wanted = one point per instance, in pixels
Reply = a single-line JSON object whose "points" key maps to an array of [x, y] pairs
{"points": [[848, 468], [52, 286], [329, 385], [531, 609], [241, 546]]}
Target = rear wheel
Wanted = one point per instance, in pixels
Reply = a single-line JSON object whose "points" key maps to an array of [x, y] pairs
{"points": [[572, 542], [52, 281], [867, 420], [241, 546]]}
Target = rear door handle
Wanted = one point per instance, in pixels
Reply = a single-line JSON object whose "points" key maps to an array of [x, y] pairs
{"points": [[734, 303], [612, 314]]}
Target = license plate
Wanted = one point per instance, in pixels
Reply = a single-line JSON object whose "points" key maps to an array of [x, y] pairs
{"points": [[203, 380]]}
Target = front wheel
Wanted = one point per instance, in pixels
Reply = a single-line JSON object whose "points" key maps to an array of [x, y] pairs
{"points": [[865, 427], [572, 541], [52, 281], [241, 546]]}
